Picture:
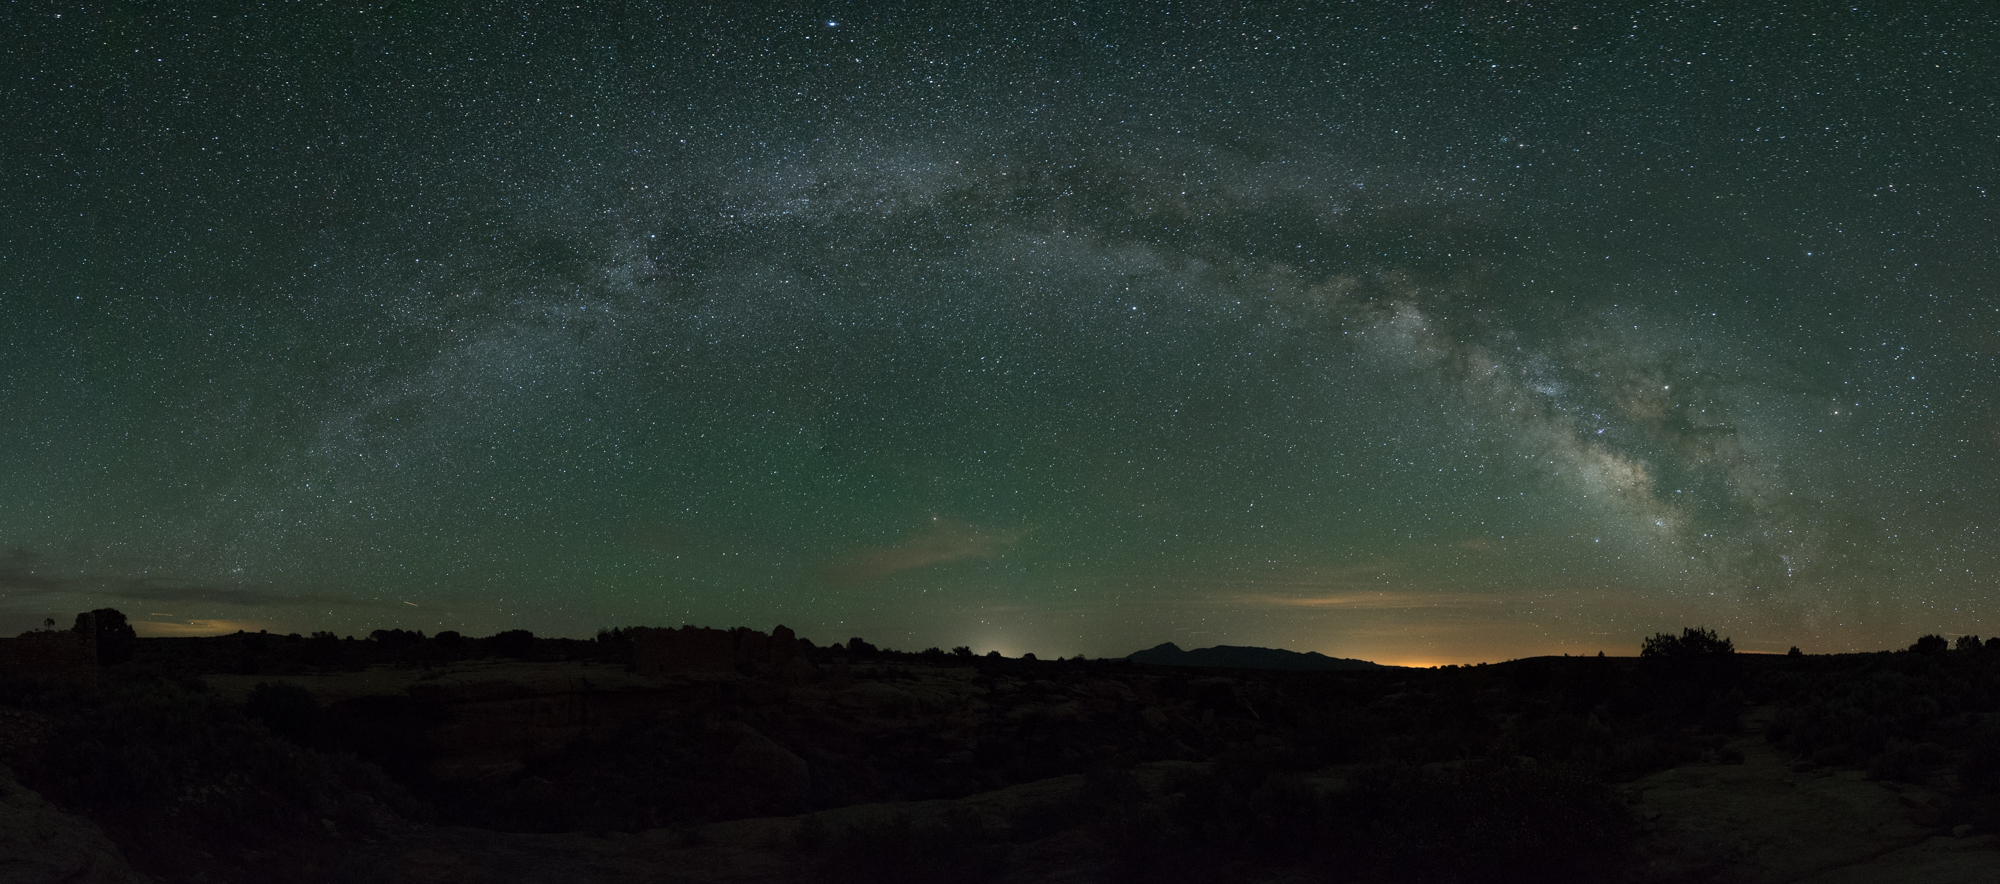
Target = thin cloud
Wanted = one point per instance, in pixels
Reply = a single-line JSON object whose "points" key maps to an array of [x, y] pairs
{"points": [[22, 568], [665, 539], [25, 574], [187, 628], [945, 541], [1375, 576], [241, 595], [1375, 601]]}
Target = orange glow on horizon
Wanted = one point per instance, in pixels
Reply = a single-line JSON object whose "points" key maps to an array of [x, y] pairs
{"points": [[193, 628]]}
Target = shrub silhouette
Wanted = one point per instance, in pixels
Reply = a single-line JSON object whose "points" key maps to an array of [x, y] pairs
{"points": [[1489, 773], [1478, 823], [1903, 760], [324, 650], [1930, 644], [395, 639], [1979, 770], [1691, 676], [1693, 642], [617, 644], [1900, 716], [288, 710], [187, 786], [516, 643], [1475, 822]]}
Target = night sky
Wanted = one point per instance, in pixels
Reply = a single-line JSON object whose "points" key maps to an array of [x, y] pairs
{"points": [[1465, 333]]}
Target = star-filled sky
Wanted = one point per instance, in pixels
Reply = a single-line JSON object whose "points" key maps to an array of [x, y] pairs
{"points": [[1422, 335]]}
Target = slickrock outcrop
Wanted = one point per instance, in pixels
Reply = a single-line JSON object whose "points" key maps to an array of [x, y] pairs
{"points": [[488, 725], [23, 737], [40, 843], [769, 773], [721, 744], [1766, 822]]}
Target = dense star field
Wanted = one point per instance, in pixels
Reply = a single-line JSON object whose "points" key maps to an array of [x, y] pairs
{"points": [[1420, 336]]}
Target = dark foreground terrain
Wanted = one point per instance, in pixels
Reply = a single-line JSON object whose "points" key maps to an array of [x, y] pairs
{"points": [[405, 758]]}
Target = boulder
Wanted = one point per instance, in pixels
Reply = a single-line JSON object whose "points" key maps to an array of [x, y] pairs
{"points": [[40, 843], [771, 776], [23, 736]]}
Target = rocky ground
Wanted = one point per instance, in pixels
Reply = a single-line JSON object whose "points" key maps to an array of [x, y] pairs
{"points": [[721, 745], [995, 771], [1757, 821], [1772, 819], [39, 842]]}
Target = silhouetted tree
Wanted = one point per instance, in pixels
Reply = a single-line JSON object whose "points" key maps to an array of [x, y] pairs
{"points": [[856, 646], [1692, 642], [1794, 652], [394, 639], [516, 643], [324, 650], [962, 652], [1966, 643], [1691, 675], [614, 644], [1930, 644], [115, 638]]}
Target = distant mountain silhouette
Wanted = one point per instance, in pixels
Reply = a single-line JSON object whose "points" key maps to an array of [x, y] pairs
{"points": [[1170, 654]]}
